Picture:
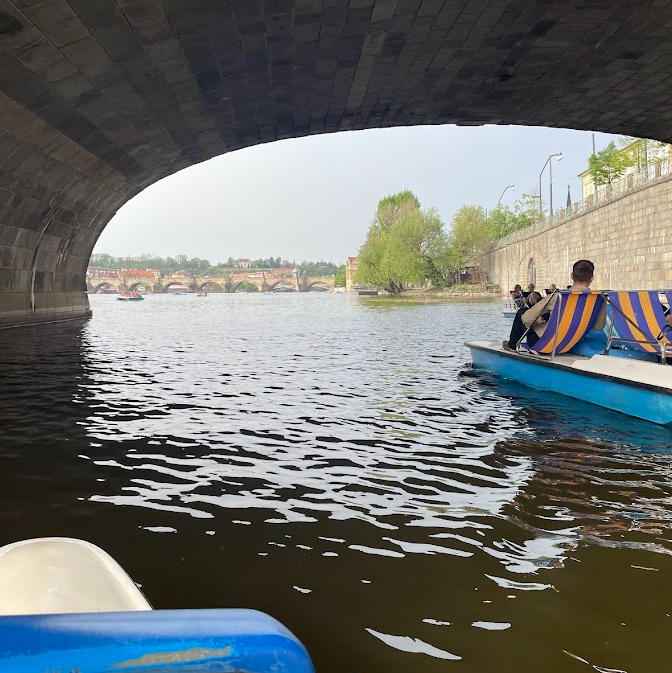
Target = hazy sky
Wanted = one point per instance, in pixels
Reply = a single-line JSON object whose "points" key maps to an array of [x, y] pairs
{"points": [[313, 198]]}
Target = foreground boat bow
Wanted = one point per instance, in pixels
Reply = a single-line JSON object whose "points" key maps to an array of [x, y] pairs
{"points": [[108, 624]]}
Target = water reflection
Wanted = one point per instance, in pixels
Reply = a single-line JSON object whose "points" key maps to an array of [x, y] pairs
{"points": [[337, 463]]}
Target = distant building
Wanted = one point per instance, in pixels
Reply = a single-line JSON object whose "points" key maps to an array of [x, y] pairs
{"points": [[351, 267], [243, 263], [139, 273], [97, 272]]}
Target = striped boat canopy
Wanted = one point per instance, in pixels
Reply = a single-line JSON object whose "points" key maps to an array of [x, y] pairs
{"points": [[638, 319], [572, 317]]}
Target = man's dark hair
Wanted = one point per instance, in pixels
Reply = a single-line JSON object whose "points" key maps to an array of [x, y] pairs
{"points": [[583, 271]]}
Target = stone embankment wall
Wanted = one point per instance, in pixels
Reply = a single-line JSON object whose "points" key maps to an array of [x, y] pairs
{"points": [[629, 239]]}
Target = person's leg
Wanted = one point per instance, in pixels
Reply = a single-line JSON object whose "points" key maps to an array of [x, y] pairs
{"points": [[517, 329]]}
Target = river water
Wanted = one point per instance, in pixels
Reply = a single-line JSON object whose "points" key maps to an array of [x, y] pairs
{"points": [[334, 461]]}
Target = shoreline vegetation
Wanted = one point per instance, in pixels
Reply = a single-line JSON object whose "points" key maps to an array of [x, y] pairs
{"points": [[407, 247], [460, 291]]}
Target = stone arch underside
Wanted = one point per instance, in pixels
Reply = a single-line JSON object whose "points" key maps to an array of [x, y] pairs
{"points": [[285, 284], [210, 286], [246, 281], [99, 99], [97, 286]]}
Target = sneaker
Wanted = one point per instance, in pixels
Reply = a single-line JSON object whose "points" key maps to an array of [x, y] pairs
{"points": [[505, 346]]}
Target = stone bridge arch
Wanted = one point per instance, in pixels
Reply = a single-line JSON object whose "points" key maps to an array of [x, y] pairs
{"points": [[147, 284], [286, 284], [99, 100], [246, 281], [327, 282], [210, 286], [172, 284], [318, 284], [95, 287]]}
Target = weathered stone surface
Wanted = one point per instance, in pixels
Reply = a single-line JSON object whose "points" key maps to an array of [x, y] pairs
{"points": [[101, 98], [629, 239]]}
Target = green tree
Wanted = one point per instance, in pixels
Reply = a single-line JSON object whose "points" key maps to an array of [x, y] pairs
{"points": [[609, 164], [404, 246], [471, 237], [339, 276], [643, 151]]}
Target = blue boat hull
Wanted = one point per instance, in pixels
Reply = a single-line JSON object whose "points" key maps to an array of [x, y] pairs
{"points": [[181, 641], [641, 401]]}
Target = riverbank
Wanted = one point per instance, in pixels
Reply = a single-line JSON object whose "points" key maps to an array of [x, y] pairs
{"points": [[462, 291]]}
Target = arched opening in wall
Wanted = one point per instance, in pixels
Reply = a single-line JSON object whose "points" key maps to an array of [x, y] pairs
{"points": [[246, 286], [319, 287], [532, 271], [283, 286], [272, 206]]}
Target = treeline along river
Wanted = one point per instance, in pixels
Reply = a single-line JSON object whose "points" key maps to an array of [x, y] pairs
{"points": [[336, 462]]}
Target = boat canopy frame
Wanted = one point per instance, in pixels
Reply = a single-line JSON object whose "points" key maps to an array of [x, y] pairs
{"points": [[556, 314], [663, 343]]}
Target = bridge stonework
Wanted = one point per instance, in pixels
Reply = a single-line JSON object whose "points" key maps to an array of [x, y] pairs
{"points": [[629, 239], [210, 284], [101, 98]]}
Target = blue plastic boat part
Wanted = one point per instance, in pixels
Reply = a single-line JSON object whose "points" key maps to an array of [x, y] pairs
{"points": [[68, 607], [179, 641], [633, 387]]}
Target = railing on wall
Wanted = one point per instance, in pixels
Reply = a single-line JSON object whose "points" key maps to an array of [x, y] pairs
{"points": [[606, 193]]}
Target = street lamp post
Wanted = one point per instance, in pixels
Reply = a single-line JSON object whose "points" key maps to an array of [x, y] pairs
{"points": [[511, 187], [558, 156]]}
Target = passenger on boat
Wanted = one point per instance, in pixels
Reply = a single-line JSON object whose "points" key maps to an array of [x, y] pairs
{"points": [[518, 328], [529, 291], [516, 296], [536, 318], [551, 289]]}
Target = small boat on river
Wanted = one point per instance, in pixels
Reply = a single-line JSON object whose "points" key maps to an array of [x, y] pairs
{"points": [[628, 372], [130, 297], [66, 605]]}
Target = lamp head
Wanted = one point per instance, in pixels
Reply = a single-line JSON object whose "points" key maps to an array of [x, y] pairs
{"points": [[558, 157]]}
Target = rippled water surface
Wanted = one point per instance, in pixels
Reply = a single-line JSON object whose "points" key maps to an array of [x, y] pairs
{"points": [[335, 461]]}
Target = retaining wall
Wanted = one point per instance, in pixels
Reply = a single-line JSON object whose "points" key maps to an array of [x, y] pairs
{"points": [[629, 239]]}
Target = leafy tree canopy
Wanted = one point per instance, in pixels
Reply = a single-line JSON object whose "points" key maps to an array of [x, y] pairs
{"points": [[404, 246], [609, 164], [643, 151], [339, 278], [198, 266], [471, 237]]}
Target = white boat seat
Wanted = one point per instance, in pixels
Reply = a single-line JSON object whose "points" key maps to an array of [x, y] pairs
{"points": [[61, 575]]}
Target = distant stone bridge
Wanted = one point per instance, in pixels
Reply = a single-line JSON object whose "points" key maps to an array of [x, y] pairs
{"points": [[229, 283]]}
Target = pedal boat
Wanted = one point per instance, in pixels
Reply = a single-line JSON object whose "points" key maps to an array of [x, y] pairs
{"points": [[613, 378], [67, 606]]}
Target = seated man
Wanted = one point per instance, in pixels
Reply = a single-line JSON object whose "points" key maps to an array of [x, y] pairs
{"points": [[529, 291], [537, 316], [551, 289], [518, 328]]}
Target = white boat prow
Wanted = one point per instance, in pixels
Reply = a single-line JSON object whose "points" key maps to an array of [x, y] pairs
{"points": [[63, 575]]}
